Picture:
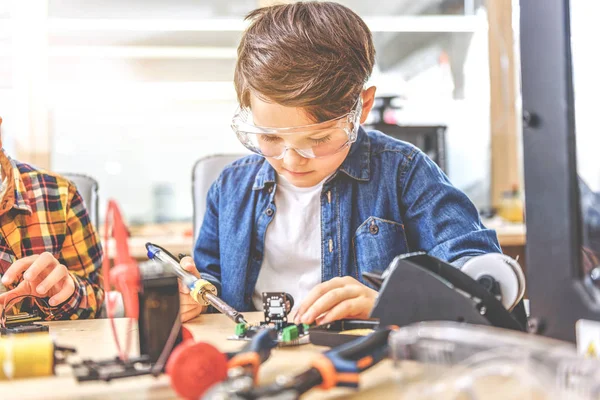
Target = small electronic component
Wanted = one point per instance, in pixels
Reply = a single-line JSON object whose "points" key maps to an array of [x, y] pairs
{"points": [[107, 370], [22, 318], [288, 334], [21, 322], [276, 306]]}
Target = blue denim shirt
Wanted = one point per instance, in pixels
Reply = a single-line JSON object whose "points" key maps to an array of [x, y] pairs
{"points": [[387, 198]]}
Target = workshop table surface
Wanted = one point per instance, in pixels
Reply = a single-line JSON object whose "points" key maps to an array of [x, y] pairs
{"points": [[93, 339]]}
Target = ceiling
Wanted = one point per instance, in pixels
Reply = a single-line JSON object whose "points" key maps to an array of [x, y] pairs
{"points": [[197, 9], [393, 49]]}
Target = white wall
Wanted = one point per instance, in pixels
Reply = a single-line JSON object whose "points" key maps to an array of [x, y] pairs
{"points": [[133, 146], [6, 111], [585, 32]]}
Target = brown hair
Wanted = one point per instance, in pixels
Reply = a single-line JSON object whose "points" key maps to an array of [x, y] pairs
{"points": [[313, 55]]}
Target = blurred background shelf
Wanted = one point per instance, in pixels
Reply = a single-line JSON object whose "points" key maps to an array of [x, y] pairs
{"points": [[84, 83], [177, 238]]}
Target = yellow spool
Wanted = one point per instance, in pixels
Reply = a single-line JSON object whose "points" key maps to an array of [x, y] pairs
{"points": [[26, 356]]}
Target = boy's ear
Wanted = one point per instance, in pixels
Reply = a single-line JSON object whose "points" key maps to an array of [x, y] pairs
{"points": [[368, 98]]}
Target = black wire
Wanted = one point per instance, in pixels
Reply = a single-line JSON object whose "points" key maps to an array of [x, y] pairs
{"points": [[290, 299], [8, 304], [167, 252], [168, 347]]}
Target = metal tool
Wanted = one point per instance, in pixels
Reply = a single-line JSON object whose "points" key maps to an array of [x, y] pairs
{"points": [[339, 366], [194, 367], [201, 290]]}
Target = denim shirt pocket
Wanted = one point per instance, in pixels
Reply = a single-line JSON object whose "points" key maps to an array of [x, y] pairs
{"points": [[376, 243]]}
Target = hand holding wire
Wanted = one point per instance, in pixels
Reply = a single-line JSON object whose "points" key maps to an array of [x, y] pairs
{"points": [[43, 276]]}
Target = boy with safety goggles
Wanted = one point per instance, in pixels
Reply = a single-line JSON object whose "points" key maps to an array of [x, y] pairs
{"points": [[322, 200]]}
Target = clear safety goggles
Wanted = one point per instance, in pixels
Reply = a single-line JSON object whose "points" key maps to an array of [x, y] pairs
{"points": [[310, 141]]}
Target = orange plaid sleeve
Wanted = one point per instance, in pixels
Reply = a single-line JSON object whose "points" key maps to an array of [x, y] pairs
{"points": [[81, 253]]}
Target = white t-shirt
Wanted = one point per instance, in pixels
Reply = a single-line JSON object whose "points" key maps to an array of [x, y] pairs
{"points": [[292, 256]]}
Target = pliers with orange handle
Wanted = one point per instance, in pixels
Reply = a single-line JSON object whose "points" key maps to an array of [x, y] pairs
{"points": [[339, 366]]}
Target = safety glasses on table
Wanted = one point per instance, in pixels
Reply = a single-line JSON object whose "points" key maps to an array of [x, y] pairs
{"points": [[310, 141]]}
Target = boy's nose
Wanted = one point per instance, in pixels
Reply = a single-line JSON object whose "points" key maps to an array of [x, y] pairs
{"points": [[292, 158]]}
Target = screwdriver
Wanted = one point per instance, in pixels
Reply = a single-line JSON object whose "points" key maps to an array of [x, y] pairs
{"points": [[201, 290]]}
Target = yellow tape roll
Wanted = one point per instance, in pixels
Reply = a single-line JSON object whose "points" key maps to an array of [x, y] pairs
{"points": [[26, 356]]}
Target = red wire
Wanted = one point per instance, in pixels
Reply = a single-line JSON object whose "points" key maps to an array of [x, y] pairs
{"points": [[110, 303], [126, 275]]}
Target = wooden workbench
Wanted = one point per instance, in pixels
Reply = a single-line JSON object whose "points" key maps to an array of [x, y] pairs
{"points": [[93, 339]]}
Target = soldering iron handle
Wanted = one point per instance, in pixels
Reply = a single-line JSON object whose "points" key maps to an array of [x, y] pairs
{"points": [[156, 252]]}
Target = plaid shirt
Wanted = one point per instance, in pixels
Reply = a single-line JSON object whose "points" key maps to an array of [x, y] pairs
{"points": [[43, 212]]}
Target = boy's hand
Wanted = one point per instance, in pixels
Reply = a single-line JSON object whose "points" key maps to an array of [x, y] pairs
{"points": [[188, 308], [336, 299], [43, 276]]}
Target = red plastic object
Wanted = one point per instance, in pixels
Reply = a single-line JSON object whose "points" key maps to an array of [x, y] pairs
{"points": [[125, 275], [186, 333], [194, 367]]}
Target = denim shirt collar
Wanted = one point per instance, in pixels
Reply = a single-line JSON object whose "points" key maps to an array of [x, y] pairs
{"points": [[356, 165], [266, 175]]}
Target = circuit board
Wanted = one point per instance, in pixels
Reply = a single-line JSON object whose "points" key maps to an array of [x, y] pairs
{"points": [[288, 334], [276, 306]]}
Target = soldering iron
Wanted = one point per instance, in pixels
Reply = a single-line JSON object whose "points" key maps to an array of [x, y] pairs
{"points": [[201, 290]]}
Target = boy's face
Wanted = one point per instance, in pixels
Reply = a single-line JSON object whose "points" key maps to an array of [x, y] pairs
{"points": [[298, 170]]}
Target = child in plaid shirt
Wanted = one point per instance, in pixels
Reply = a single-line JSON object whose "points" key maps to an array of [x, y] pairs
{"points": [[50, 254]]}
